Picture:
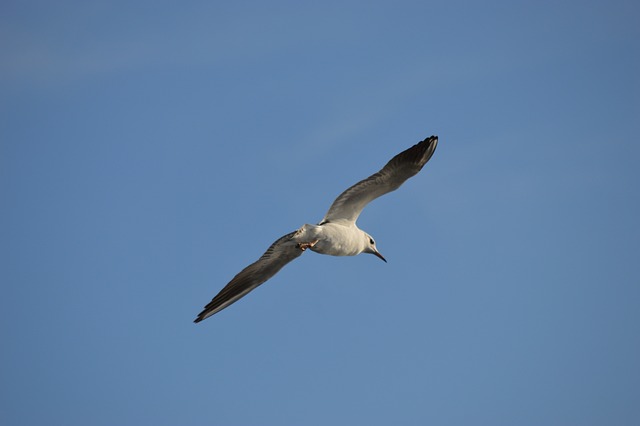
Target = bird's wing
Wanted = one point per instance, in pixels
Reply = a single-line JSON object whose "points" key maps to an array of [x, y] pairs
{"points": [[280, 253], [349, 204]]}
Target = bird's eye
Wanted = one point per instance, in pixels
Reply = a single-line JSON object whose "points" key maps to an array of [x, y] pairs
{"points": [[371, 241]]}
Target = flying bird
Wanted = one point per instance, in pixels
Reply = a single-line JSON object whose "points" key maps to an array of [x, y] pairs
{"points": [[336, 234]]}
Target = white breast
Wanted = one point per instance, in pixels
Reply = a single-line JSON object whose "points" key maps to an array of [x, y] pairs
{"points": [[339, 240]]}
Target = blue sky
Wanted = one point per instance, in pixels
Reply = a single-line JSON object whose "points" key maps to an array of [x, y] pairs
{"points": [[151, 150]]}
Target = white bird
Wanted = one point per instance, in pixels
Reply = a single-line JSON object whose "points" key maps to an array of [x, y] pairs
{"points": [[337, 234]]}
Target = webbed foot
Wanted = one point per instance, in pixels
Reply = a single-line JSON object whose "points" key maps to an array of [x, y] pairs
{"points": [[304, 246]]}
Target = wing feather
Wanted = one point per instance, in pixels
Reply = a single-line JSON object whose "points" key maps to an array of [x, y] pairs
{"points": [[281, 252], [349, 204]]}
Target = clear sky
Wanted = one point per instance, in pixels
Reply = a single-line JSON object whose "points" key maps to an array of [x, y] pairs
{"points": [[151, 150]]}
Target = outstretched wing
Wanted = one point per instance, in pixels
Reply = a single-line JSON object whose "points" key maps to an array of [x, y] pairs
{"points": [[280, 253], [348, 206]]}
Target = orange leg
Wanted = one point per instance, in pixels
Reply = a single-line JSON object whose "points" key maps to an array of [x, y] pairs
{"points": [[304, 246]]}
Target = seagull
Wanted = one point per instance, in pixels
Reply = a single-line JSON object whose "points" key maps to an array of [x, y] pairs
{"points": [[336, 234]]}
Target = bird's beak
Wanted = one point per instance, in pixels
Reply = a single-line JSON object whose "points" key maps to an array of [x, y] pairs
{"points": [[377, 253]]}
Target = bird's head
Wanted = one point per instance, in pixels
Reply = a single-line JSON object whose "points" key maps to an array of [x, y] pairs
{"points": [[370, 247]]}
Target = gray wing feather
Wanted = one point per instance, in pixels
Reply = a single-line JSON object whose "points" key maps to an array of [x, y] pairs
{"points": [[281, 252], [349, 204]]}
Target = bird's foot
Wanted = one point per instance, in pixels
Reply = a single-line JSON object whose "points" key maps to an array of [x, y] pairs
{"points": [[304, 246]]}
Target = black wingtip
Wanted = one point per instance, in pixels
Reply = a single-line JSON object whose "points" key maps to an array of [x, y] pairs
{"points": [[419, 154], [202, 316], [430, 145], [432, 141]]}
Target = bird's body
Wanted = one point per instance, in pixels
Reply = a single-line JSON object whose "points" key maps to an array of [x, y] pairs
{"points": [[334, 239], [336, 234]]}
